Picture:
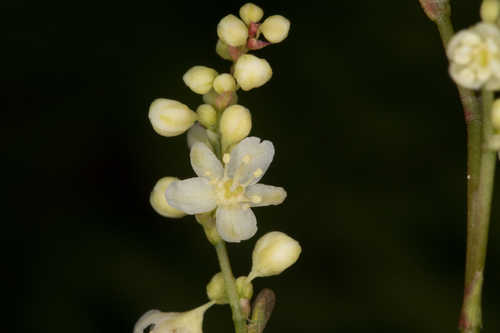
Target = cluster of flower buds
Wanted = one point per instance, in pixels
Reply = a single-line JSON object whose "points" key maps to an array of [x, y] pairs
{"points": [[474, 53]]}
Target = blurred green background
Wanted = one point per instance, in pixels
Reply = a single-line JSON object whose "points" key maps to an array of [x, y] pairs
{"points": [[370, 145]]}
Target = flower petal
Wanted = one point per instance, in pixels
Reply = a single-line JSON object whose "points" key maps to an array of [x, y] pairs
{"points": [[152, 317], [265, 195], [204, 162], [192, 196], [198, 133], [258, 155], [235, 224]]}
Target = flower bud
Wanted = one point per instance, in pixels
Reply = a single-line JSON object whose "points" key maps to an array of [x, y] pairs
{"points": [[232, 31], [159, 202], [244, 287], [252, 72], [155, 321], [222, 50], [207, 115], [216, 290], [495, 115], [489, 10], [224, 82], [235, 125], [250, 12], [169, 117], [275, 28], [200, 79], [273, 253]]}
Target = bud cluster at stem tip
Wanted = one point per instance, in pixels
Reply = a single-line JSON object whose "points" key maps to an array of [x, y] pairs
{"points": [[228, 164]]}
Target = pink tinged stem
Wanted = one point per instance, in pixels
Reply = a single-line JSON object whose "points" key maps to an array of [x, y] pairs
{"points": [[255, 44]]}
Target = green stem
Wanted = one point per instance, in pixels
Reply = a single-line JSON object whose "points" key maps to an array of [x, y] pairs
{"points": [[234, 300], [480, 175], [477, 238]]}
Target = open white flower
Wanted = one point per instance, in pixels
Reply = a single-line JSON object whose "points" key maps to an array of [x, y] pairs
{"points": [[475, 57], [155, 321], [231, 188]]}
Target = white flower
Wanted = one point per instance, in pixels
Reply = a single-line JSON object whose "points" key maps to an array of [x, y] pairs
{"points": [[155, 321], [232, 189], [475, 57]]}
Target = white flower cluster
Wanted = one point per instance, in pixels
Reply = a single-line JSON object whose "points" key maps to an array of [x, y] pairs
{"points": [[474, 53], [228, 163]]}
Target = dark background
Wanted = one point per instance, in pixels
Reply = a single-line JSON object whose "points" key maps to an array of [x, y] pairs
{"points": [[370, 144]]}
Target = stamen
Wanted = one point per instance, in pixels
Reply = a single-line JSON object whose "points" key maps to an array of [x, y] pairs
{"points": [[245, 206], [236, 178], [226, 158], [257, 173]]}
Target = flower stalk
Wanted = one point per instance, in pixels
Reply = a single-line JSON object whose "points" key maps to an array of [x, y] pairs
{"points": [[477, 235], [234, 300]]}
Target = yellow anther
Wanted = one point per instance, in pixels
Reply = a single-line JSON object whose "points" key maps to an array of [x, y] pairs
{"points": [[256, 199], [246, 159], [245, 206], [257, 173], [226, 158]]}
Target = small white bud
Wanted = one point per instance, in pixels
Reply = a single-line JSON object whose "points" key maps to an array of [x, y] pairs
{"points": [[216, 290], [232, 31], [159, 202], [224, 82], [250, 12], [222, 50], [273, 253], [169, 117], [495, 114], [489, 10], [235, 125], [275, 28], [252, 72], [207, 115], [200, 79]]}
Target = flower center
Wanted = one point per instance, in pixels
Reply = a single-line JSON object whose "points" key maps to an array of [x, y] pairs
{"points": [[483, 56], [229, 191]]}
